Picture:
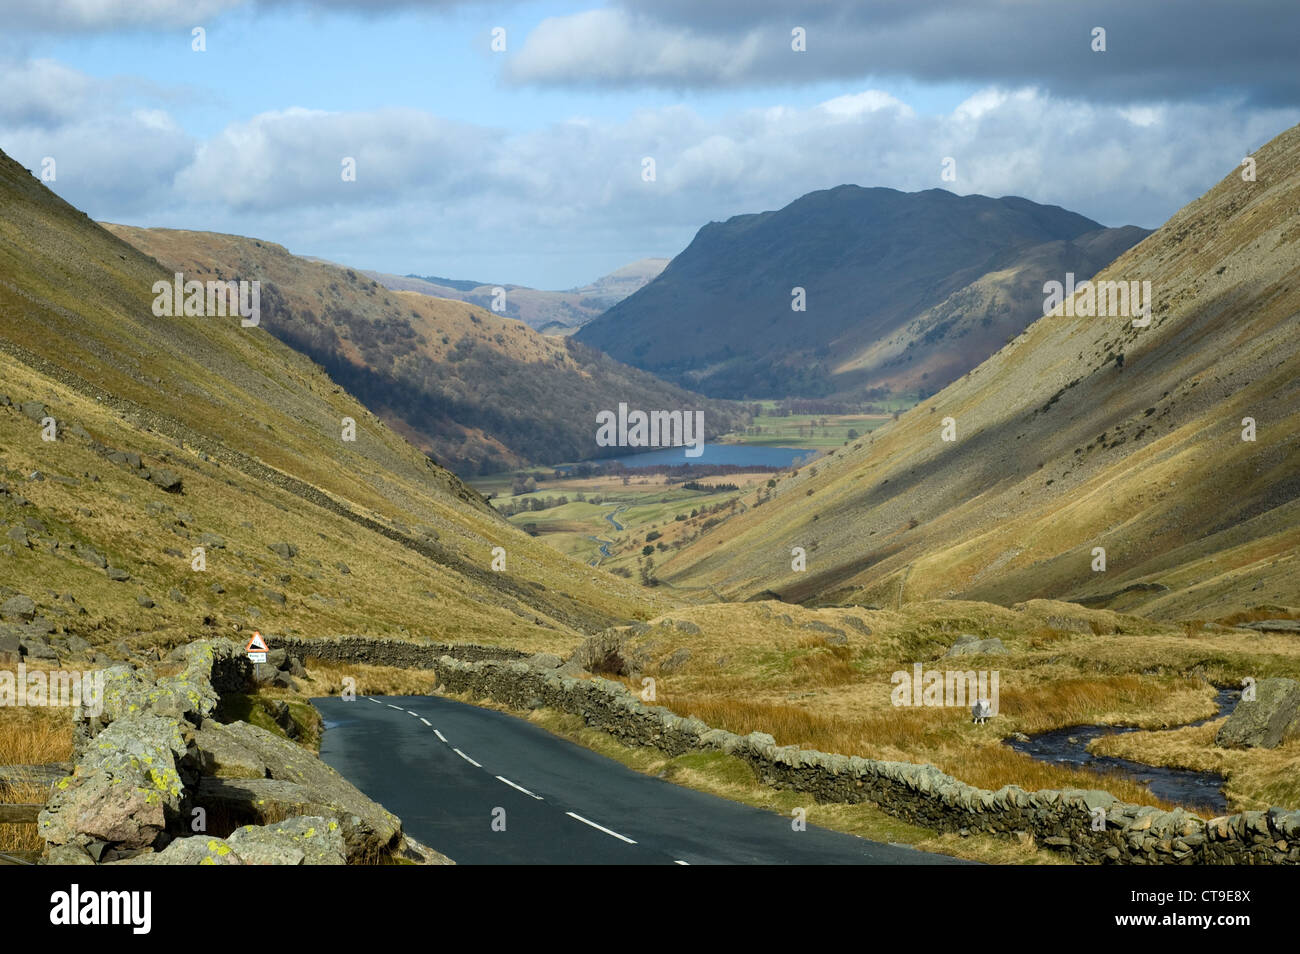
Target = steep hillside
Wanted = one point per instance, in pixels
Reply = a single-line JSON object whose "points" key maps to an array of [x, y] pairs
{"points": [[903, 291], [194, 432], [1081, 433], [480, 392], [549, 311]]}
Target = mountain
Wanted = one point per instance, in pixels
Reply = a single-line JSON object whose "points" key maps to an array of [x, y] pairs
{"points": [[902, 290], [552, 312], [174, 433], [1081, 433], [479, 392]]}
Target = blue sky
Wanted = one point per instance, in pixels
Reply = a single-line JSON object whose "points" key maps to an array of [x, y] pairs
{"points": [[525, 166]]}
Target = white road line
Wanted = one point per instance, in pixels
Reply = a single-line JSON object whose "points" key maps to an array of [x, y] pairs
{"points": [[680, 862], [439, 735], [427, 722], [416, 714], [374, 700], [391, 706], [502, 778], [467, 758], [588, 821]]}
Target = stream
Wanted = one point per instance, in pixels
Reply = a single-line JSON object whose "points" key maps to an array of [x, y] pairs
{"points": [[1197, 790]]}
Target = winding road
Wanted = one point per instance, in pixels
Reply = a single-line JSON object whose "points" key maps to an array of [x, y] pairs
{"points": [[451, 770]]}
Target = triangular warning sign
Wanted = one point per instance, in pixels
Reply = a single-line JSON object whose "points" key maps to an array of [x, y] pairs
{"points": [[257, 644]]}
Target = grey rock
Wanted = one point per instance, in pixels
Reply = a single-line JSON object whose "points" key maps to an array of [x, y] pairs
{"points": [[1272, 718], [967, 645], [301, 784], [286, 551], [305, 840], [118, 574], [168, 480], [219, 753], [18, 607]]}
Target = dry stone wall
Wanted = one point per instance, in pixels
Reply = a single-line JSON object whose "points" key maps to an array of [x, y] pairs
{"points": [[389, 652]]}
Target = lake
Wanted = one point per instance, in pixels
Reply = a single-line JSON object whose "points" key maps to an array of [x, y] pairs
{"points": [[741, 455]]}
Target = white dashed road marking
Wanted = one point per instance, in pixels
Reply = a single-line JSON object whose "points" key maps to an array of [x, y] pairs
{"points": [[391, 706], [502, 778], [680, 862], [467, 758], [588, 821], [374, 700], [416, 714], [427, 722], [439, 735]]}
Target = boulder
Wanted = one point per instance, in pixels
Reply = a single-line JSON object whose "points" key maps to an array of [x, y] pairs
{"points": [[305, 840], [967, 645], [286, 551], [125, 789], [219, 753], [34, 647], [300, 784], [168, 480], [1266, 722], [18, 607], [194, 850]]}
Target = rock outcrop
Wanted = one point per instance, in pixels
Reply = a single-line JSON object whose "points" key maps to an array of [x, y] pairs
{"points": [[157, 780], [1268, 720]]}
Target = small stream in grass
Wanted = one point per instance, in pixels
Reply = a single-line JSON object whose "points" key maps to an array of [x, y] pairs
{"points": [[1069, 746]]}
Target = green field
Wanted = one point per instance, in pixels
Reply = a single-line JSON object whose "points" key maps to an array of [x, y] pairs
{"points": [[820, 431]]}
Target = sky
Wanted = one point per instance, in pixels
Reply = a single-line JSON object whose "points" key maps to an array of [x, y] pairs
{"points": [[527, 165]]}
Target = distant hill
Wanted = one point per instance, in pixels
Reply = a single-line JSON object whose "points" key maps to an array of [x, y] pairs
{"points": [[180, 432], [551, 312], [479, 392], [1083, 432], [904, 291]]}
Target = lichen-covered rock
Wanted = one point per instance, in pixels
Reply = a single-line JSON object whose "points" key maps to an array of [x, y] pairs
{"points": [[194, 850], [301, 784], [307, 840], [124, 790], [1268, 720], [218, 752]]}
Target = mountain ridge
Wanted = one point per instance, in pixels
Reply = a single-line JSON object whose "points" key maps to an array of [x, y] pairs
{"points": [[720, 318]]}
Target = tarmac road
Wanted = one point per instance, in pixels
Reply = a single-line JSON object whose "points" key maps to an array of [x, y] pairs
{"points": [[447, 769]]}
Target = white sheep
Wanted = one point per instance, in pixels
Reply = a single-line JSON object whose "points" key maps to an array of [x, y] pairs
{"points": [[981, 711]]}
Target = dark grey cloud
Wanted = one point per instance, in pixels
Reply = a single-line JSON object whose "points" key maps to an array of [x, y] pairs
{"points": [[1166, 50]]}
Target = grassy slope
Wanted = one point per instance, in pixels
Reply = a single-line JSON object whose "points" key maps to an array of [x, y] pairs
{"points": [[479, 391], [254, 429], [1061, 450]]}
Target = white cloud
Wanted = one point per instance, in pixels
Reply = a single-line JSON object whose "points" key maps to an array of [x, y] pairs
{"points": [[436, 196]]}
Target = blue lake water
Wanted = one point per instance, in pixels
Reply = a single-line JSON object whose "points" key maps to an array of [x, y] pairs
{"points": [[742, 455]]}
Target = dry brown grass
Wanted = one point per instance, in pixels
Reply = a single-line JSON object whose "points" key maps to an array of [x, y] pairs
{"points": [[326, 678], [941, 737]]}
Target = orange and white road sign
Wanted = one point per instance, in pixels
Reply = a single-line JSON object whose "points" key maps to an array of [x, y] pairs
{"points": [[257, 648]]}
